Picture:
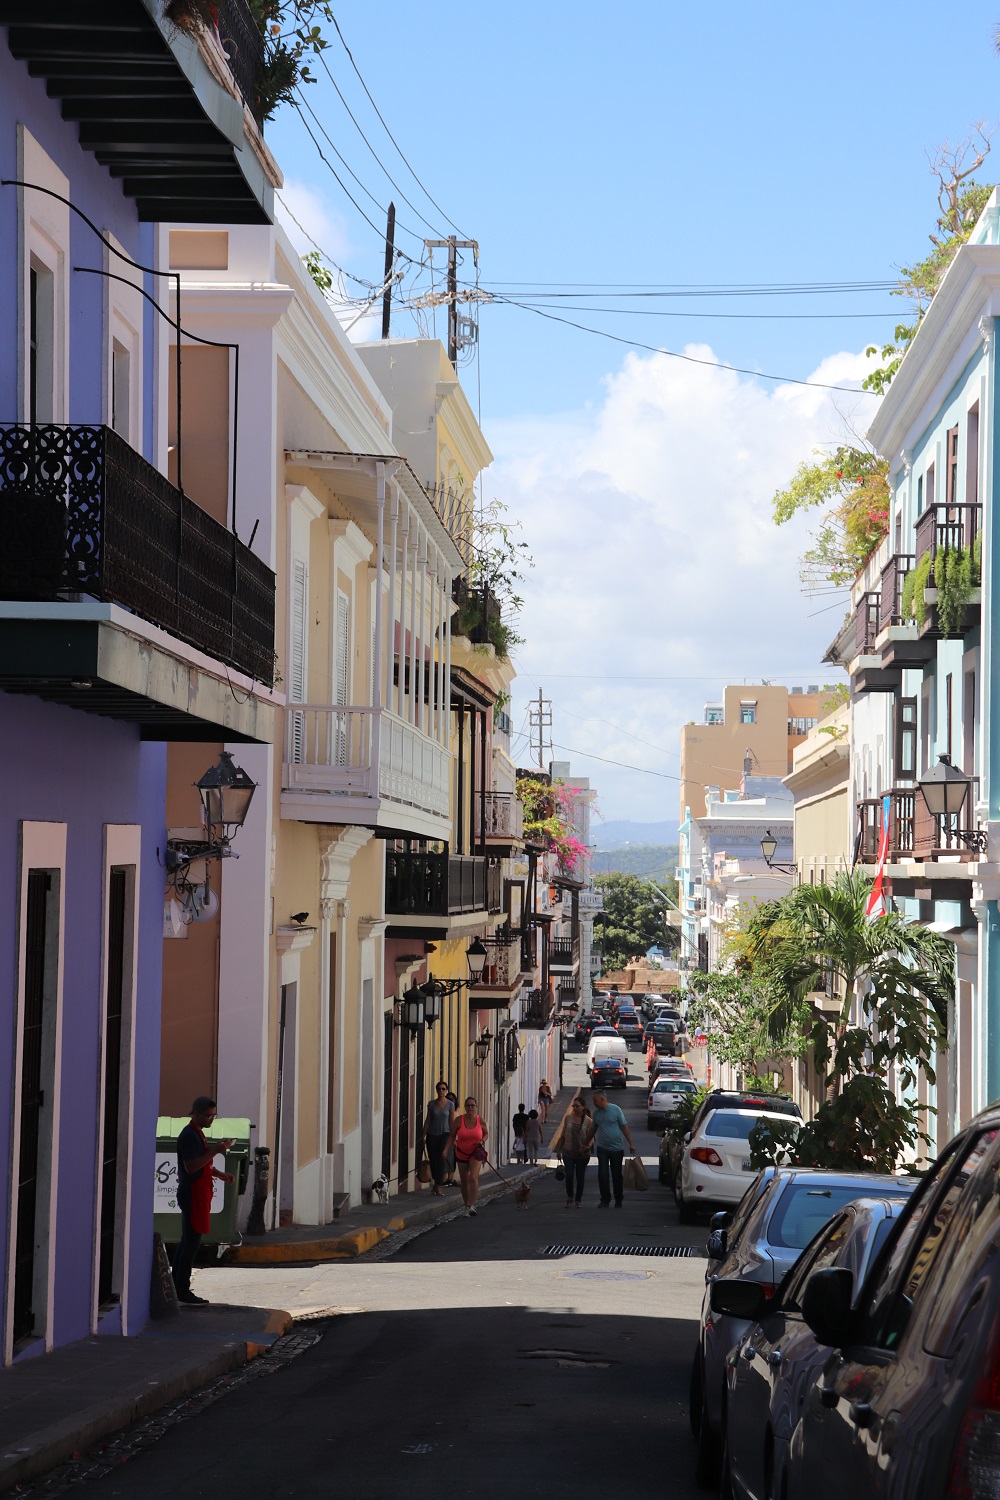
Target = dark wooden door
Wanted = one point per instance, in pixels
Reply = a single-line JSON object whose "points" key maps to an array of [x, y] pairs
{"points": [[112, 1085], [32, 1103]]}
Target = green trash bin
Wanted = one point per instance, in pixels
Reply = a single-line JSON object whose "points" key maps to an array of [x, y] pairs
{"points": [[226, 1195]]}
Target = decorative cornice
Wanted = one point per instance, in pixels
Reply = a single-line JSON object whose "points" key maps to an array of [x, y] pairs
{"points": [[349, 538], [335, 861], [299, 495], [986, 331], [372, 927], [294, 939]]}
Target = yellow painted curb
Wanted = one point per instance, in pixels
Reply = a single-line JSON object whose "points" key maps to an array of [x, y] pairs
{"points": [[342, 1247]]}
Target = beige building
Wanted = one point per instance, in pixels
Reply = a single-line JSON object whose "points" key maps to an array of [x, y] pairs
{"points": [[764, 720], [820, 783]]}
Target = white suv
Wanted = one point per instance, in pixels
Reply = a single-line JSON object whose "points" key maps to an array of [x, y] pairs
{"points": [[715, 1168]]}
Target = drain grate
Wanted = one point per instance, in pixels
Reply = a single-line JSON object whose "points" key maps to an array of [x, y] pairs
{"points": [[673, 1252]]}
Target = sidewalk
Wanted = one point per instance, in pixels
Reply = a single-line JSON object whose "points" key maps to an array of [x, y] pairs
{"points": [[367, 1226], [56, 1405]]}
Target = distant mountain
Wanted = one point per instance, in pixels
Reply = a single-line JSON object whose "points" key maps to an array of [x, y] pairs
{"points": [[659, 861], [622, 834]]}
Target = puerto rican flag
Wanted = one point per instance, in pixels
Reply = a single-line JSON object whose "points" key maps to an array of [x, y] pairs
{"points": [[878, 903]]}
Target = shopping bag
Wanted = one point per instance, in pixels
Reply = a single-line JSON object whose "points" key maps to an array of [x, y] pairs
{"points": [[635, 1176]]}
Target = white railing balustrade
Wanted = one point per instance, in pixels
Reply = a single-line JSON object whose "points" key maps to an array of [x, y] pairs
{"points": [[501, 817], [332, 749]]}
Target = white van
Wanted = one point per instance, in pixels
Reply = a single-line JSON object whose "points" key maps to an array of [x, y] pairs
{"points": [[607, 1046]]}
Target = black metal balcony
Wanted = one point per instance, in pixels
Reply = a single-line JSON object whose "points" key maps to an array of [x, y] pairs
{"points": [[563, 952], [420, 883], [891, 599], [243, 43], [536, 1010], [866, 624], [952, 526], [81, 513], [914, 832]]}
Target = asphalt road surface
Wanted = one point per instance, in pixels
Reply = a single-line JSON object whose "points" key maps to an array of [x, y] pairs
{"points": [[469, 1362]]}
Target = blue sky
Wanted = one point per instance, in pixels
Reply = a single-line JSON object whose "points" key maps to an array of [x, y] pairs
{"points": [[654, 143]]}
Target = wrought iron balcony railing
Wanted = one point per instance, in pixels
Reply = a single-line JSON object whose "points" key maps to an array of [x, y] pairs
{"points": [[536, 1010], [952, 526], [81, 513], [243, 43], [421, 883], [891, 598]]}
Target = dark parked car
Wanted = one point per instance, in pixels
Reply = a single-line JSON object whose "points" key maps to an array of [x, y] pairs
{"points": [[906, 1403], [753, 1101], [769, 1371], [783, 1209], [608, 1073], [584, 1026]]}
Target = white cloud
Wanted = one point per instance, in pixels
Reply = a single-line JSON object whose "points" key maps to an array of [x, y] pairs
{"points": [[317, 218], [649, 518]]}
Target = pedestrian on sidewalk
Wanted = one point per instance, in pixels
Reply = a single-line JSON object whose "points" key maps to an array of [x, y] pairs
{"points": [[195, 1175], [468, 1140], [544, 1099], [533, 1137], [436, 1133], [449, 1155], [519, 1125], [571, 1145], [609, 1131]]}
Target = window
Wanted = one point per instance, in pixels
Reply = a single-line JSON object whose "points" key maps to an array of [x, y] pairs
{"points": [[41, 343], [905, 754], [948, 697], [929, 486], [714, 716], [748, 713], [121, 380], [803, 1211], [825, 1254], [972, 456], [951, 473], [969, 723]]}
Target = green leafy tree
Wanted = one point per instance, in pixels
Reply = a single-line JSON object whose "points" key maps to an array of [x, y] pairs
{"points": [[894, 981], [851, 488], [737, 1007], [632, 921]]}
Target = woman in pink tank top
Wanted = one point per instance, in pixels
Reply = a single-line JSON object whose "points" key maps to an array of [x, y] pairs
{"points": [[468, 1141]]}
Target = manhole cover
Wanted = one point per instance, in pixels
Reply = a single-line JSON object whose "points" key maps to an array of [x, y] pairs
{"points": [[673, 1252]]}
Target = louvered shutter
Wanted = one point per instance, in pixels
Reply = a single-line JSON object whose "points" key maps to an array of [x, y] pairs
{"points": [[341, 669], [297, 656]]}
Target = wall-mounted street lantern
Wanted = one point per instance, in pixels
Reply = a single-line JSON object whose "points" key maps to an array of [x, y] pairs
{"points": [[482, 1047], [433, 992], [768, 848], [226, 792], [412, 1009], [945, 790], [476, 957]]}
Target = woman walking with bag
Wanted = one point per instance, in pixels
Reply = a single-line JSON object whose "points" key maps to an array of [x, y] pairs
{"points": [[468, 1140], [436, 1134], [570, 1143]]}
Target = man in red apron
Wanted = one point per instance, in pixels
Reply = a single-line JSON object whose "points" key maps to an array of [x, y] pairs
{"points": [[195, 1175]]}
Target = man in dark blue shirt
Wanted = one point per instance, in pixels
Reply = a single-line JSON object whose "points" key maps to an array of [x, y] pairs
{"points": [[195, 1174]]}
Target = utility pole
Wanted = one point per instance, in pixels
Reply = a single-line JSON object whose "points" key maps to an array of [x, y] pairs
{"points": [[453, 245], [390, 237], [540, 720]]}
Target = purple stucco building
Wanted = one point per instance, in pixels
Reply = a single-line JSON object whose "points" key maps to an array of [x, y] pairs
{"points": [[120, 629]]}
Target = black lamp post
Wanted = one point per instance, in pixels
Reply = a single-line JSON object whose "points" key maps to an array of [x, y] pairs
{"points": [[226, 792], [413, 1009], [768, 847], [945, 790], [476, 956], [433, 993]]}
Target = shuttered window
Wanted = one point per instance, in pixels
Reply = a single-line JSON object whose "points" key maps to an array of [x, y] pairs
{"points": [[342, 658], [297, 654]]}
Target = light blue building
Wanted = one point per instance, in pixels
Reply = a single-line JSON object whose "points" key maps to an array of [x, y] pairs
{"points": [[924, 672]]}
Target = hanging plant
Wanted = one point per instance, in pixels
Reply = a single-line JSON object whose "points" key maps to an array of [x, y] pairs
{"points": [[914, 606], [956, 574]]}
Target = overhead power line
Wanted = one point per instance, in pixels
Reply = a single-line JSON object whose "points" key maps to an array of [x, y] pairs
{"points": [[691, 359], [588, 755], [389, 132]]}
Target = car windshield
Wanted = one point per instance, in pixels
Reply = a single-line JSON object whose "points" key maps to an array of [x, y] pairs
{"points": [[673, 1086], [804, 1208], [727, 1125]]}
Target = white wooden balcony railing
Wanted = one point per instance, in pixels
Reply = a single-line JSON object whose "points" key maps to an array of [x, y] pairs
{"points": [[367, 759], [499, 815]]}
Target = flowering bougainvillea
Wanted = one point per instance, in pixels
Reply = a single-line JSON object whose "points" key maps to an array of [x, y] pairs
{"points": [[549, 815]]}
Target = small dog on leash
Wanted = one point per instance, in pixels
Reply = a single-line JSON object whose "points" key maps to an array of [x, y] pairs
{"points": [[521, 1194], [380, 1188]]}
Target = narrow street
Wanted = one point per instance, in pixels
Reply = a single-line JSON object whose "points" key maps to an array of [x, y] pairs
{"points": [[469, 1362]]}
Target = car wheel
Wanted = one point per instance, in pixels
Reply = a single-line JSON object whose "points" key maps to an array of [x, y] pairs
{"points": [[706, 1463], [726, 1481]]}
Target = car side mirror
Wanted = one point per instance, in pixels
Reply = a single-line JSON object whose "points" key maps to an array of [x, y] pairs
{"points": [[738, 1299], [718, 1241], [826, 1304], [721, 1220], [687, 1138]]}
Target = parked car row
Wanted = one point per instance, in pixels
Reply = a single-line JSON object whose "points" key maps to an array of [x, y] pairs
{"points": [[850, 1335]]}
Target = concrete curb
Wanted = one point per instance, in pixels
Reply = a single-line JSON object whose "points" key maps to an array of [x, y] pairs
{"points": [[352, 1243], [39, 1451]]}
